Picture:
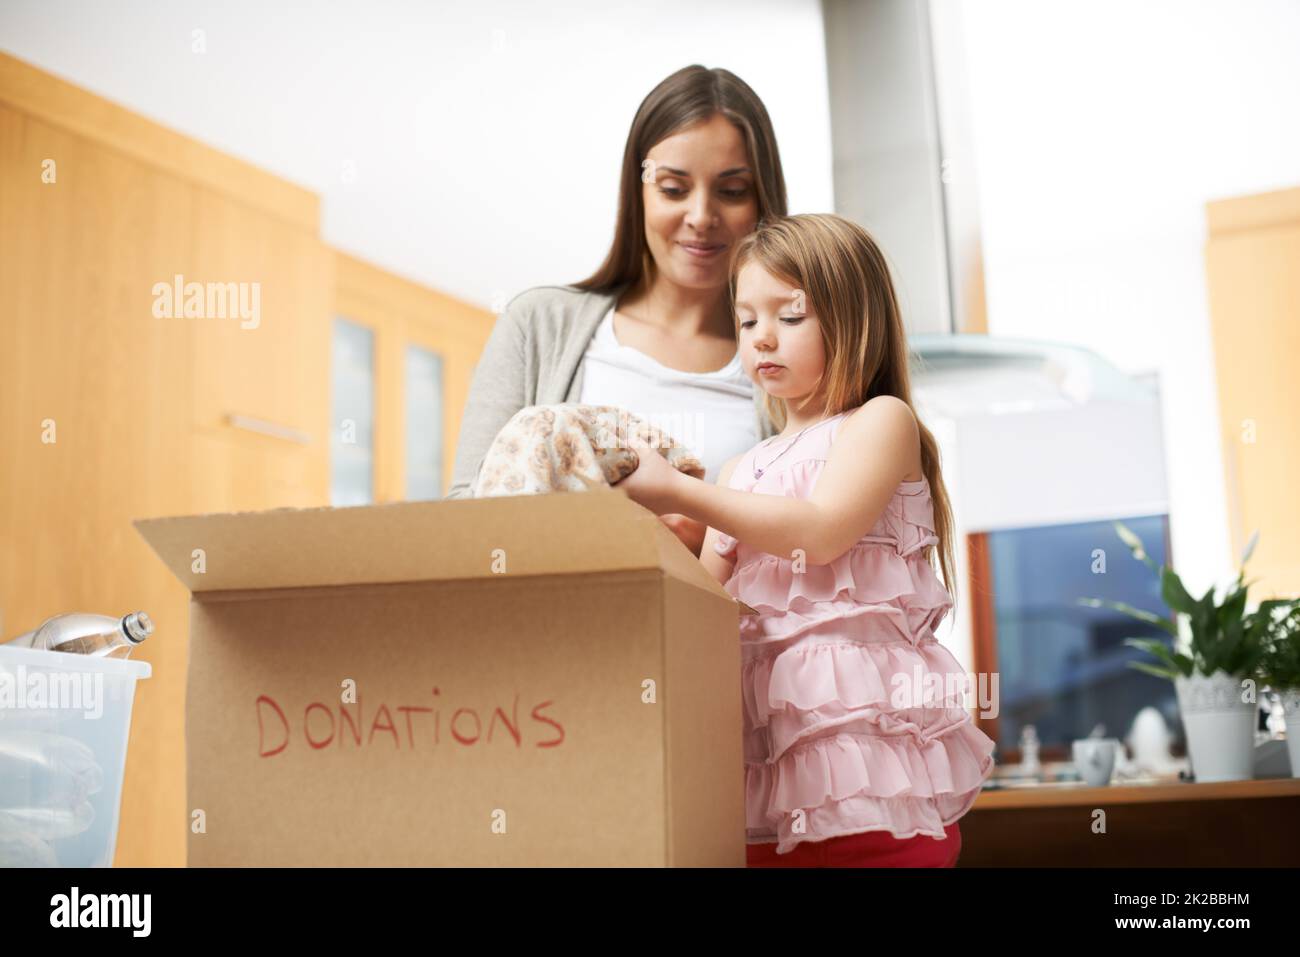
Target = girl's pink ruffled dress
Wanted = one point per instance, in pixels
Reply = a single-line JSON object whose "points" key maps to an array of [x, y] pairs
{"points": [[826, 730]]}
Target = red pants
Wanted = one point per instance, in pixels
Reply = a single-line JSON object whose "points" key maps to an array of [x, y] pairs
{"points": [[868, 849]]}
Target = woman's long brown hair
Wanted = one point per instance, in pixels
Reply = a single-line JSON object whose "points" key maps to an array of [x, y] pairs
{"points": [[847, 285], [691, 95]]}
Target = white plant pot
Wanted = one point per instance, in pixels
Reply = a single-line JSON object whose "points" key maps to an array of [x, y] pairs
{"points": [[1220, 726], [1291, 709]]}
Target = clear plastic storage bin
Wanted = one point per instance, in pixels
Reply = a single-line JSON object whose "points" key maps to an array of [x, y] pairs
{"points": [[64, 723]]}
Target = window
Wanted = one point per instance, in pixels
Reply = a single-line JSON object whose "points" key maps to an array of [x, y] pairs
{"points": [[1063, 667], [352, 422], [423, 423]]}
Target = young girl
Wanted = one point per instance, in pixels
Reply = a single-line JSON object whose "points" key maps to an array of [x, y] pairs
{"points": [[859, 750]]}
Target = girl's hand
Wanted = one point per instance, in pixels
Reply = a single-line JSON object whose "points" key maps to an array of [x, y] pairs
{"points": [[654, 482]]}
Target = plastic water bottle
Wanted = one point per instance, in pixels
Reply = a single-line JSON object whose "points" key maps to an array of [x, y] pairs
{"points": [[45, 780], [40, 769], [25, 850], [80, 633], [47, 823]]}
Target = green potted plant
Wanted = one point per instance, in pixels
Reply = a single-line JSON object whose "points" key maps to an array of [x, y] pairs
{"points": [[1280, 669], [1218, 648]]}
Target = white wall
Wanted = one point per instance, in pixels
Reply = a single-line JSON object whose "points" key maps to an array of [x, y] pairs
{"points": [[484, 138], [1101, 128]]}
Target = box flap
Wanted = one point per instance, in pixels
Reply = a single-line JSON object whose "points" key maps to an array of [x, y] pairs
{"points": [[677, 560], [599, 530]]}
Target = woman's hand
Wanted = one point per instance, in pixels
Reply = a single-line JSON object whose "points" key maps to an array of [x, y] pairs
{"points": [[687, 529], [654, 481]]}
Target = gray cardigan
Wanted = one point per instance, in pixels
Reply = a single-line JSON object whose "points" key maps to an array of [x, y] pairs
{"points": [[533, 356]]}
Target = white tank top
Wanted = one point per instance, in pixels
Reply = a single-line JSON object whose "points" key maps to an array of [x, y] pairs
{"points": [[711, 413]]}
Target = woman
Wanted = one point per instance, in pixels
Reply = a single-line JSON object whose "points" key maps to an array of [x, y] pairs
{"points": [[651, 331]]}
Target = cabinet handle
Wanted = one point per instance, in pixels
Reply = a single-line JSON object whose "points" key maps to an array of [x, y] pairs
{"points": [[264, 427]]}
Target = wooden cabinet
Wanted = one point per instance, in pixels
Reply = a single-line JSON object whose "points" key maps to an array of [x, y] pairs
{"points": [[232, 474], [119, 405], [1253, 267], [260, 373], [95, 424], [260, 370], [1238, 824], [412, 328]]}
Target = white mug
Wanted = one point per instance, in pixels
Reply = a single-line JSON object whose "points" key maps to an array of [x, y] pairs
{"points": [[1095, 759]]}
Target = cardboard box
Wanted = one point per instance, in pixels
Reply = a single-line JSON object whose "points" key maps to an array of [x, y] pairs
{"points": [[529, 680]]}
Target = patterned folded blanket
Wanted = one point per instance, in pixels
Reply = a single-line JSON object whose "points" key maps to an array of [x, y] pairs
{"points": [[570, 447]]}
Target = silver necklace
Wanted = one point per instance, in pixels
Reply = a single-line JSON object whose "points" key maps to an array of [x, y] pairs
{"points": [[758, 473]]}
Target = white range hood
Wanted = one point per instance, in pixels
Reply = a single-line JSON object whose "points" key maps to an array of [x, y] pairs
{"points": [[1038, 433]]}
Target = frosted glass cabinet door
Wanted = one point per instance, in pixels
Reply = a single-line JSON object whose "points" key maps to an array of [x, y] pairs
{"points": [[352, 418], [423, 423]]}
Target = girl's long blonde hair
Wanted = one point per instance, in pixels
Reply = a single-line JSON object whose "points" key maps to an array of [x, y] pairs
{"points": [[846, 283]]}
